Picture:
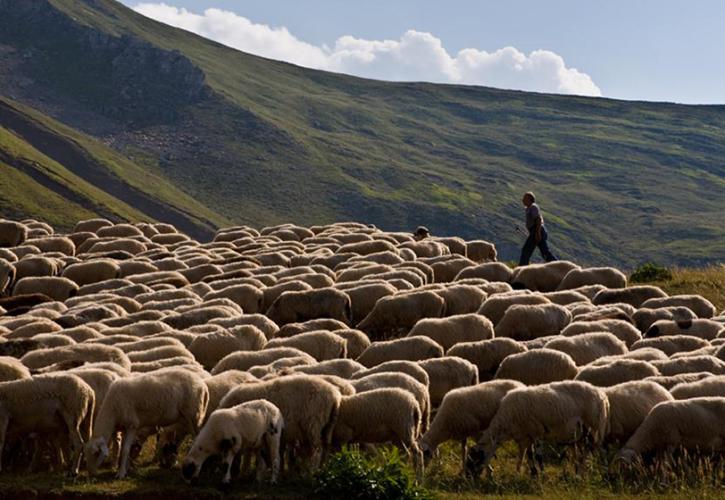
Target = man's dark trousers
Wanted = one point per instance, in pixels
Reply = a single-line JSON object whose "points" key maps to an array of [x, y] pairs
{"points": [[531, 244]]}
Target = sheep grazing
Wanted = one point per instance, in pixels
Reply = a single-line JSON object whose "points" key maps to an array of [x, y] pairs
{"points": [[254, 426], [609, 277], [409, 348], [629, 404], [34, 405], [167, 397], [465, 413], [706, 329], [12, 233], [541, 277], [321, 345], [669, 382], [401, 312], [528, 322], [401, 381], [309, 406], [454, 329], [702, 307], [343, 368], [490, 271], [707, 387], [388, 415], [617, 372], [645, 317], [495, 307], [671, 344], [487, 355], [692, 364], [538, 366], [448, 373], [623, 330], [85, 352], [693, 424], [55, 287], [560, 412], [291, 307], [12, 369], [244, 360], [399, 366], [633, 295], [364, 297], [588, 347]]}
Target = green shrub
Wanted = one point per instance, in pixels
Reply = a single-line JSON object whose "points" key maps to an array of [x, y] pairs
{"points": [[352, 475], [650, 272]]}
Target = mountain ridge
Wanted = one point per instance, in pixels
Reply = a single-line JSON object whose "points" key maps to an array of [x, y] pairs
{"points": [[262, 142]]}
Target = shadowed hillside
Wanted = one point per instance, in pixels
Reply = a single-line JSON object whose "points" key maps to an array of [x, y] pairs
{"points": [[188, 128]]}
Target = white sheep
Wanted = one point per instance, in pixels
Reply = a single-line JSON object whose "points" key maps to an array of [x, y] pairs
{"points": [[541, 277], [309, 406], [254, 426], [487, 355], [321, 345], [707, 387], [698, 304], [410, 368], [495, 306], [633, 295], [537, 366], [464, 413], [408, 348], [617, 372], [559, 412], [401, 381], [645, 317], [621, 329], [448, 373], [629, 404], [671, 344], [528, 322], [244, 360], [381, 416], [606, 276], [343, 368], [167, 397], [588, 347], [693, 424], [52, 403], [401, 312], [54, 287], [451, 330], [702, 328]]}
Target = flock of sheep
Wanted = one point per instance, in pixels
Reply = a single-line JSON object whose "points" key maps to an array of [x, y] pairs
{"points": [[273, 348]]}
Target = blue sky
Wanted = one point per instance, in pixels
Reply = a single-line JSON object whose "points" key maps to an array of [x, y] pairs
{"points": [[637, 49]]}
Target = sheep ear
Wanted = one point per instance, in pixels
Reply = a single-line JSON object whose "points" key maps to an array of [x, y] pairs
{"points": [[226, 444]]}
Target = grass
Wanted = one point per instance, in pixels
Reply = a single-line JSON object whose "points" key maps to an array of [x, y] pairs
{"points": [[620, 182], [708, 282]]}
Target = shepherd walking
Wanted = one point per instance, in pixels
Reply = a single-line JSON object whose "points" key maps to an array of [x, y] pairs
{"points": [[537, 232]]}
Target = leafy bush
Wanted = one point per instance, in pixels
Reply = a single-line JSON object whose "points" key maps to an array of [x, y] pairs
{"points": [[650, 272], [350, 474]]}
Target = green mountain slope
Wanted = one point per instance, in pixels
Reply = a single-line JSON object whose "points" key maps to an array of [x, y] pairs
{"points": [[262, 142]]}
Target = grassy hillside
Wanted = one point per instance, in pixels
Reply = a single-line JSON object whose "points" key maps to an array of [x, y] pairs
{"points": [[261, 142], [62, 175]]}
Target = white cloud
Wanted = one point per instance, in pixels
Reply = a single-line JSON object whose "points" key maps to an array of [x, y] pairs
{"points": [[416, 56]]}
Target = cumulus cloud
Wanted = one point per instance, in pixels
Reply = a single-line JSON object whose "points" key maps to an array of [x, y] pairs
{"points": [[416, 56]]}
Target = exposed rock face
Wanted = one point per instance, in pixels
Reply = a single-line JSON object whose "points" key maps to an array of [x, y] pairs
{"points": [[121, 77]]}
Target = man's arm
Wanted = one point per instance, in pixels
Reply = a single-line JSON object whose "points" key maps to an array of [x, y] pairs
{"points": [[537, 229]]}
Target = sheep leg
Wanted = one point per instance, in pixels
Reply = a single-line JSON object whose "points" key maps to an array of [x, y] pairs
{"points": [[128, 439], [76, 447], [464, 452], [523, 448], [228, 459]]}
